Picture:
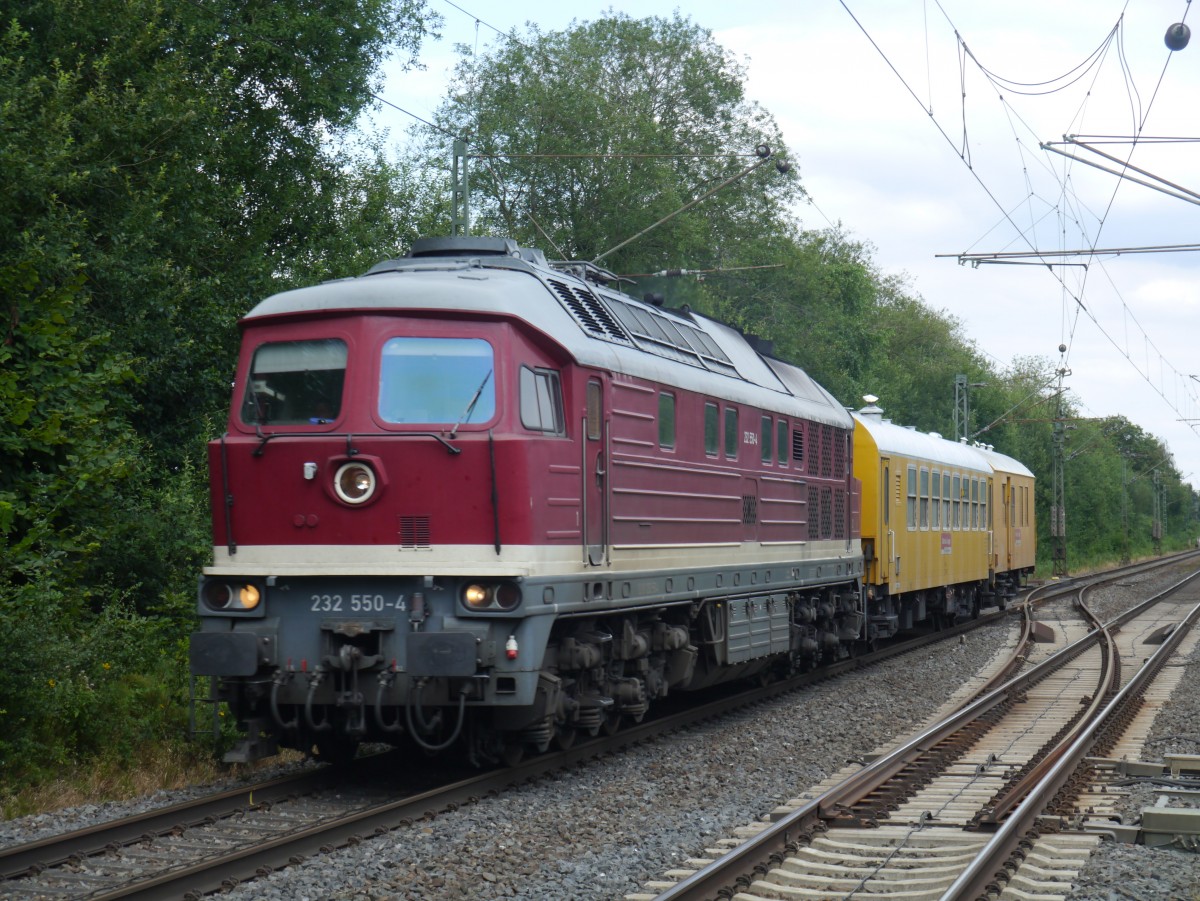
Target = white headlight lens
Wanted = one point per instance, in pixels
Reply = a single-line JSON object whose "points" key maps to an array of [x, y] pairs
{"points": [[354, 482]]}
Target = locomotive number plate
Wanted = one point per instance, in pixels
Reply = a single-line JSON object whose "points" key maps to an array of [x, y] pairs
{"points": [[357, 603]]}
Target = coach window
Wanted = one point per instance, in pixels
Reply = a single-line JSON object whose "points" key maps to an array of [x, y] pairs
{"points": [[956, 498], [436, 380], [295, 383], [945, 500], [781, 436], [541, 401], [974, 503], [666, 420], [764, 439], [712, 428], [731, 432], [912, 497], [935, 500], [924, 498]]}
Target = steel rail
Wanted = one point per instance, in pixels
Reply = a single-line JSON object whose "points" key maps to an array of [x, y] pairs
{"points": [[978, 876], [1110, 674], [770, 847], [19, 860]]}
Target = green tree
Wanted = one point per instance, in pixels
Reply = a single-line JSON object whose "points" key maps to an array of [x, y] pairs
{"points": [[166, 164], [581, 139]]}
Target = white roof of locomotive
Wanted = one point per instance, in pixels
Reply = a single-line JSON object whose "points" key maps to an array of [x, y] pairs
{"points": [[455, 284]]}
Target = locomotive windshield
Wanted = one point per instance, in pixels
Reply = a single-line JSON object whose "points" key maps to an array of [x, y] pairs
{"points": [[437, 380], [295, 383]]}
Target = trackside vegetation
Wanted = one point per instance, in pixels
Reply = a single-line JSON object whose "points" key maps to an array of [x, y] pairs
{"points": [[169, 163]]}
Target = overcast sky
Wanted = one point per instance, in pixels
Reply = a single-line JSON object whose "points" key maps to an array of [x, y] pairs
{"points": [[883, 108]]}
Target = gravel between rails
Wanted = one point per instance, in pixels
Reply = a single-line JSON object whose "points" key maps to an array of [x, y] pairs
{"points": [[604, 830]]}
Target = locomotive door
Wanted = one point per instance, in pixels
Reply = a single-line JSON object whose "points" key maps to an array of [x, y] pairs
{"points": [[595, 477]]}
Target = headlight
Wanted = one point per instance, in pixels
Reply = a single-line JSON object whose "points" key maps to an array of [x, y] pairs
{"points": [[223, 596], [248, 596], [478, 597], [354, 483], [499, 596]]}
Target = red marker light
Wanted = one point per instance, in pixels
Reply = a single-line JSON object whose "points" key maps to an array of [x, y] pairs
{"points": [[510, 647]]}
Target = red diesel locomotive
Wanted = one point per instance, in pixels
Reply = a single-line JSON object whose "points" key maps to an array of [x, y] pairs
{"points": [[474, 499]]}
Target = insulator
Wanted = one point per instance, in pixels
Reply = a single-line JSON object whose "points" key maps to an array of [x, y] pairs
{"points": [[1178, 36]]}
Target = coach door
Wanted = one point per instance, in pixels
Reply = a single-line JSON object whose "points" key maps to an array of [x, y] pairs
{"points": [[1004, 527], [595, 477], [886, 541]]}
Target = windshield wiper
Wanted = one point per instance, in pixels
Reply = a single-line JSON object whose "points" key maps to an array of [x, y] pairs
{"points": [[471, 406]]}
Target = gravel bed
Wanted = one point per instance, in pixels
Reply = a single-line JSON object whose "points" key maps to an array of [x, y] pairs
{"points": [[614, 824], [1108, 601]]}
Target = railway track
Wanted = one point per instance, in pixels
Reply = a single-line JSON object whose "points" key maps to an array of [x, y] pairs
{"points": [[1006, 797], [217, 842]]}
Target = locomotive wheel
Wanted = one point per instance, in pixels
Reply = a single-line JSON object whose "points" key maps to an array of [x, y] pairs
{"points": [[513, 752], [564, 737], [611, 725]]}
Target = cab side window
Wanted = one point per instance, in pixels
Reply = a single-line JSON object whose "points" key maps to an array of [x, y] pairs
{"points": [[541, 401]]}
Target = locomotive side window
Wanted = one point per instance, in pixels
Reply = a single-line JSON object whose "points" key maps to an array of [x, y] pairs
{"points": [[437, 380], [541, 401], [764, 440], [731, 432], [712, 428], [781, 435], [666, 420], [912, 497], [593, 411], [295, 383]]}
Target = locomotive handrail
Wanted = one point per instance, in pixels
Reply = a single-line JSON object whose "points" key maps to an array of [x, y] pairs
{"points": [[267, 436]]}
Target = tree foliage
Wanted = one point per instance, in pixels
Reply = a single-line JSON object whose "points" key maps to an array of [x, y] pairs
{"points": [[166, 164], [585, 137]]}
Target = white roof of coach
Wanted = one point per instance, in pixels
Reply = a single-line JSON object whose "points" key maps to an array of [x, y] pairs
{"points": [[907, 442], [1004, 463], [513, 289]]}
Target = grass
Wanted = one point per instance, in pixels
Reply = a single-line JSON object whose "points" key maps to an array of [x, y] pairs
{"points": [[159, 768]]}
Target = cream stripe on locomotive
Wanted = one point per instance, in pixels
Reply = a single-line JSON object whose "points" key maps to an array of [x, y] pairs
{"points": [[513, 560]]}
